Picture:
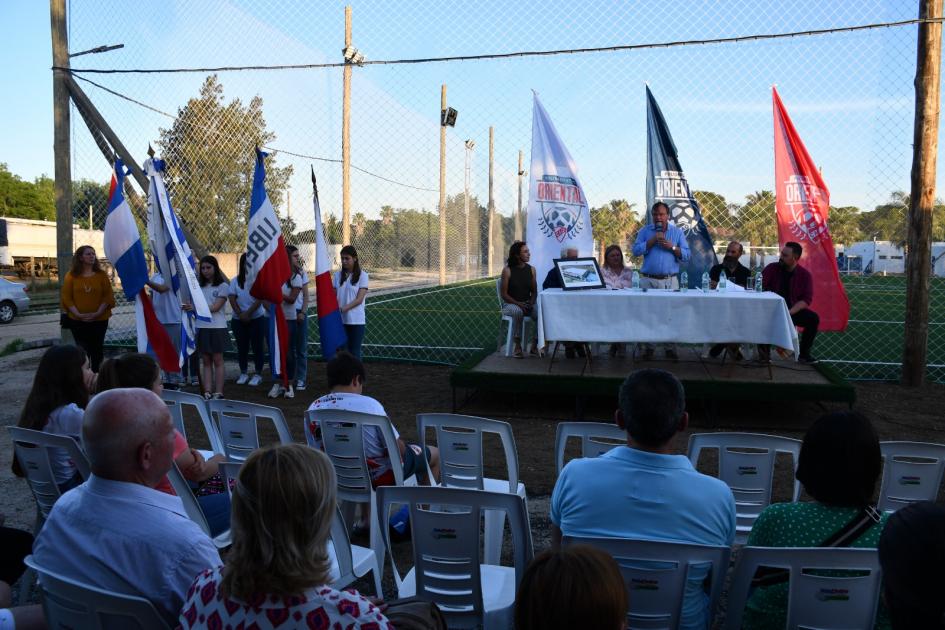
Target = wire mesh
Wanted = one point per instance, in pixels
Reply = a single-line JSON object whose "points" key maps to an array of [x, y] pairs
{"points": [[850, 95]]}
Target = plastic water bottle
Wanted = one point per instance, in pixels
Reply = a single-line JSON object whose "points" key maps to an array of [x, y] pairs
{"points": [[635, 280], [684, 281], [705, 282], [723, 281], [758, 284]]}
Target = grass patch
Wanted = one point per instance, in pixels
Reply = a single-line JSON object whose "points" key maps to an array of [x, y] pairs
{"points": [[14, 346]]}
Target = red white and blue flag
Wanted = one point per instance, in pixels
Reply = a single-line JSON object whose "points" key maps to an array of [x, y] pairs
{"points": [[267, 264], [331, 330], [124, 249]]}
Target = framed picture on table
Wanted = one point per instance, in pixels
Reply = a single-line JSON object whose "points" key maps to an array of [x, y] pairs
{"points": [[579, 273]]}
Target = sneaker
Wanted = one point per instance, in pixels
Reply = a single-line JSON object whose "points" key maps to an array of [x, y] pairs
{"points": [[806, 358], [207, 395], [289, 393], [194, 382], [300, 386], [217, 396], [276, 391], [255, 380], [242, 379]]}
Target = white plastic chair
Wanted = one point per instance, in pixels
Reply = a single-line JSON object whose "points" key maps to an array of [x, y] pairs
{"points": [[176, 402], [814, 601], [192, 507], [508, 318], [445, 525], [459, 439], [593, 436], [68, 603], [912, 471], [342, 440], [748, 474], [656, 575], [236, 422]]}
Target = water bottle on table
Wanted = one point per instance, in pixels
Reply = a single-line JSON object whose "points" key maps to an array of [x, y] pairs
{"points": [[723, 281], [684, 281], [758, 284], [705, 282], [635, 280]]}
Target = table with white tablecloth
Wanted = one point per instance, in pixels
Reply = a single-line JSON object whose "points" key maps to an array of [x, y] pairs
{"points": [[665, 316]]}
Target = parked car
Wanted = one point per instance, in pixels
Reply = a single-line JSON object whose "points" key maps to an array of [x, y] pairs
{"points": [[13, 300]]}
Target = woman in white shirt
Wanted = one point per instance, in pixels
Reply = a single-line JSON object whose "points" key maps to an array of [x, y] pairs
{"points": [[294, 305], [249, 326], [212, 337], [61, 388], [351, 286]]}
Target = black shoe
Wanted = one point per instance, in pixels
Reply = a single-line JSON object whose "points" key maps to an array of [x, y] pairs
{"points": [[806, 358], [580, 350], [569, 353], [716, 350]]}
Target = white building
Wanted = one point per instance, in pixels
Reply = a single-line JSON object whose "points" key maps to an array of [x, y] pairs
{"points": [[879, 256]]}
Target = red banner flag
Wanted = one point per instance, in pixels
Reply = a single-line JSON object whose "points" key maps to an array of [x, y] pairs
{"points": [[803, 208]]}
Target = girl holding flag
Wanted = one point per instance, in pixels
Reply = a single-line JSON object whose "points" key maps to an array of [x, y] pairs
{"points": [[294, 305], [212, 337], [351, 285]]}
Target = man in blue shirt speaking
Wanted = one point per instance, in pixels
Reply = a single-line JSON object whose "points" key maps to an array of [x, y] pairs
{"points": [[663, 246]]}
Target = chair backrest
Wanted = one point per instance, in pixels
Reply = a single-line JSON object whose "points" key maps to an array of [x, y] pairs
{"points": [[176, 401], [445, 525], [68, 603], [342, 546], [748, 473], [186, 495], [459, 439], [498, 291], [823, 591], [236, 422], [342, 440], [596, 439], [656, 574], [912, 471], [31, 451]]}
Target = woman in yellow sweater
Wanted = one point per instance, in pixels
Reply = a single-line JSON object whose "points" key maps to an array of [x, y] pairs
{"points": [[88, 301]]}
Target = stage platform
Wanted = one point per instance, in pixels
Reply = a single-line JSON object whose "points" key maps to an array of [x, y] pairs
{"points": [[706, 379]]}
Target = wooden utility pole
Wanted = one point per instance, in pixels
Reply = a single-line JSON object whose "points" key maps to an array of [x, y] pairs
{"points": [[346, 139], [922, 195], [62, 164], [442, 184], [518, 209], [489, 243]]}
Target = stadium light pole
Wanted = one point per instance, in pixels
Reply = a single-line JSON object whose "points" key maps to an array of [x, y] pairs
{"points": [[470, 145]]}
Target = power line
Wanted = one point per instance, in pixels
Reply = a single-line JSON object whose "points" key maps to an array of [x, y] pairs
{"points": [[271, 148], [524, 53]]}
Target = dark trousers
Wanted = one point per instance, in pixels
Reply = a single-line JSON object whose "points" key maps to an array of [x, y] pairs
{"points": [[809, 321], [90, 336], [355, 334], [249, 333], [15, 545]]}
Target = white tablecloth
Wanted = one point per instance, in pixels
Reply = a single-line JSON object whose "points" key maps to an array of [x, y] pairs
{"points": [[656, 316]]}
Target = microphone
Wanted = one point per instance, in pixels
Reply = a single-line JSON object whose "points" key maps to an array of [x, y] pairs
{"points": [[659, 226]]}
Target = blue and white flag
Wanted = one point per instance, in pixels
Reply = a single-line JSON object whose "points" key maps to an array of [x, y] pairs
{"points": [[173, 258], [558, 215], [666, 182]]}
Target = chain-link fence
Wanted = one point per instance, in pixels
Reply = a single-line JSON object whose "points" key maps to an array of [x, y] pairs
{"points": [[849, 92]]}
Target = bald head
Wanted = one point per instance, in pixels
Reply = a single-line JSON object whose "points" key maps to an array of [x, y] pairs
{"points": [[129, 436]]}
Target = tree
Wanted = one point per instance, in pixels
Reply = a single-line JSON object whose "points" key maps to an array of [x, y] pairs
{"points": [[887, 222], [757, 220], [210, 159], [614, 222], [89, 194], [26, 200], [844, 224]]}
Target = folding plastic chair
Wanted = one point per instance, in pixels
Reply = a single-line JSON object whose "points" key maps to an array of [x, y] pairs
{"points": [[445, 526], [748, 473], [508, 318], [343, 442], [459, 439], [176, 402], [815, 600], [596, 439], [236, 422], [912, 471], [68, 603], [656, 574], [192, 507]]}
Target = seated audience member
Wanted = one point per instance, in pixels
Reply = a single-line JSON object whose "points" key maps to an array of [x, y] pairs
{"points": [[838, 466], [278, 566], [519, 292], [616, 274], [115, 531], [736, 273], [576, 587], [553, 280], [15, 544], [795, 284], [641, 490], [54, 405], [346, 377], [134, 369], [912, 553]]}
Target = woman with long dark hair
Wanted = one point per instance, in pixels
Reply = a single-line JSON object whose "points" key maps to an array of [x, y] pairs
{"points": [[60, 392], [212, 338], [294, 306], [88, 301], [249, 327], [519, 290], [351, 286]]}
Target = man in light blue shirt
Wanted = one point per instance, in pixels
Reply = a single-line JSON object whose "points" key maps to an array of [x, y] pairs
{"points": [[663, 246], [115, 531], [642, 491]]}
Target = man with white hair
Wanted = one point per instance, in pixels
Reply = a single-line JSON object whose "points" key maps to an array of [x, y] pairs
{"points": [[116, 531], [554, 281]]}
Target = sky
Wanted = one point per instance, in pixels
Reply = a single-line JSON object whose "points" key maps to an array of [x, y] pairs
{"points": [[850, 95]]}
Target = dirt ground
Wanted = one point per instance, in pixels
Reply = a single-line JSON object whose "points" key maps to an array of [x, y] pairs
{"points": [[406, 390]]}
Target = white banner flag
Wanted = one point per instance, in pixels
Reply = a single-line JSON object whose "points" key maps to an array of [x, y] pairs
{"points": [[558, 215]]}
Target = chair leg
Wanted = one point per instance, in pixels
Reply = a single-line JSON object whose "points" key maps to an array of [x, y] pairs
{"points": [[377, 541], [508, 338], [492, 545]]}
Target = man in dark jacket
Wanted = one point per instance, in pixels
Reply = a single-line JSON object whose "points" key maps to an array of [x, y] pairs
{"points": [[796, 286]]}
